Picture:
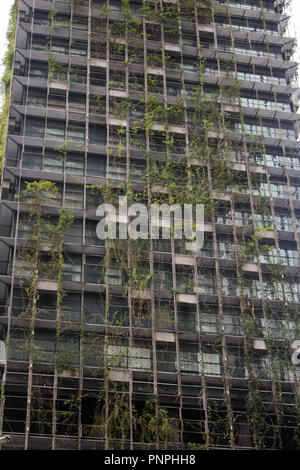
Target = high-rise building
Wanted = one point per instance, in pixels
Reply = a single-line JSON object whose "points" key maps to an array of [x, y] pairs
{"points": [[145, 344]]}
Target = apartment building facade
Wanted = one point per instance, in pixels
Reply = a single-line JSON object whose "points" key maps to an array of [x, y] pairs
{"points": [[142, 344]]}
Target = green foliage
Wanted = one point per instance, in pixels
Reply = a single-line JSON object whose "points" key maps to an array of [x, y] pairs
{"points": [[6, 79], [197, 174], [155, 425], [42, 255], [115, 420]]}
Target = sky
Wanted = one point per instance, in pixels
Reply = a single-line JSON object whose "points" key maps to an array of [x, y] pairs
{"points": [[4, 18], [6, 6], [295, 25]]}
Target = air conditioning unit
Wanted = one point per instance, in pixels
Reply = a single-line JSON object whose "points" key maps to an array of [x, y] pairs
{"points": [[2, 354]]}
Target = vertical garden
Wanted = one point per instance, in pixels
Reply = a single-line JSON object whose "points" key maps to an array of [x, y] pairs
{"points": [[143, 344]]}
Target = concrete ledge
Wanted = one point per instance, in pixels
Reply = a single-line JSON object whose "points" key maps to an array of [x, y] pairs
{"points": [[155, 70], [187, 298], [119, 375], [260, 344], [172, 47], [165, 337], [159, 189], [185, 260], [141, 294], [207, 28], [58, 85], [69, 373], [252, 267], [119, 93], [5, 184], [268, 234], [117, 122], [98, 62], [48, 285]]}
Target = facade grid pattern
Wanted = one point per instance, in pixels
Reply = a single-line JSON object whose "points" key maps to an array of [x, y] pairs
{"points": [[142, 344]]}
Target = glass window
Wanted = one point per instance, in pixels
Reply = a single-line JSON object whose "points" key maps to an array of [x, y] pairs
{"points": [[55, 131], [36, 98], [77, 103], [91, 235], [97, 134], [94, 308], [74, 197], [71, 307], [76, 133], [56, 101], [68, 351], [96, 165], [206, 284], [74, 234], [114, 276], [211, 364], [72, 268], [124, 357], [32, 161], [53, 163], [44, 342], [189, 361], [35, 127], [75, 164]]}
